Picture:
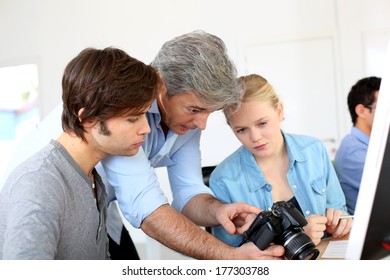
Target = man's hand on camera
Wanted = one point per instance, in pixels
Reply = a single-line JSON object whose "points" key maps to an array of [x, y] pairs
{"points": [[236, 217], [249, 251]]}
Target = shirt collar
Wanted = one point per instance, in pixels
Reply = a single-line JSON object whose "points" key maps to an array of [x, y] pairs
{"points": [[252, 169], [294, 150], [154, 108], [156, 111], [360, 135]]}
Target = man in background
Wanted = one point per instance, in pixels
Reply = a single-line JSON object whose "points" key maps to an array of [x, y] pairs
{"points": [[351, 155]]}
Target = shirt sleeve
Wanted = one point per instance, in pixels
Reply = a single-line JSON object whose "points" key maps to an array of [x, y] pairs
{"points": [[219, 188], [349, 164], [185, 175], [33, 227], [335, 195], [135, 185]]}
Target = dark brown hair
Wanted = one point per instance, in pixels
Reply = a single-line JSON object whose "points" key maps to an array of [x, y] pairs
{"points": [[106, 83]]}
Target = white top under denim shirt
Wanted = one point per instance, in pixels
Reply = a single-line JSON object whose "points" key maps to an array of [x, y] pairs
{"points": [[135, 182], [311, 177]]}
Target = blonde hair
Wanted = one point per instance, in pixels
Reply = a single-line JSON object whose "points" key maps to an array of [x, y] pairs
{"points": [[256, 87]]}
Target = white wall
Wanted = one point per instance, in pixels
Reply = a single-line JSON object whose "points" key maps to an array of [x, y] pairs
{"points": [[352, 37], [50, 33]]}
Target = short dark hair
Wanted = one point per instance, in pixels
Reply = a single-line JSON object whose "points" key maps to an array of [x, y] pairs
{"points": [[106, 83], [363, 92]]}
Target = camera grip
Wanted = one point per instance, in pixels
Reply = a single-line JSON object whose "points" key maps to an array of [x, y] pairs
{"points": [[264, 236]]}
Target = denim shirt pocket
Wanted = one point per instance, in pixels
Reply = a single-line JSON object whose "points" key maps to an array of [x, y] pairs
{"points": [[319, 186]]}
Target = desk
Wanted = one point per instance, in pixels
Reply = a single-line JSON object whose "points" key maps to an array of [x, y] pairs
{"points": [[324, 243]]}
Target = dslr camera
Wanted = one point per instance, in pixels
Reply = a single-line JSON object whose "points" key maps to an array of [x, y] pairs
{"points": [[282, 226]]}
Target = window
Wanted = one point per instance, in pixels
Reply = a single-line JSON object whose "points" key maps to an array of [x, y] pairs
{"points": [[19, 110]]}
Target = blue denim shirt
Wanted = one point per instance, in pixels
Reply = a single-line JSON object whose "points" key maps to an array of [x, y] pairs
{"points": [[135, 182], [349, 164], [311, 177]]}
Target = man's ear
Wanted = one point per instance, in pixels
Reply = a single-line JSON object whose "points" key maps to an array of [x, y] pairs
{"points": [[87, 123], [79, 114], [163, 87], [359, 110]]}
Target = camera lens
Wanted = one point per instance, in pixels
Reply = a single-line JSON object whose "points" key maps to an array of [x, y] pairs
{"points": [[298, 245]]}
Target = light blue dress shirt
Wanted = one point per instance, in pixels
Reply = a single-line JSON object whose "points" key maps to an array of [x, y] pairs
{"points": [[135, 182], [311, 177], [349, 164]]}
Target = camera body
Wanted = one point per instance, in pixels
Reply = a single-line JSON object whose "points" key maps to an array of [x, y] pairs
{"points": [[283, 226]]}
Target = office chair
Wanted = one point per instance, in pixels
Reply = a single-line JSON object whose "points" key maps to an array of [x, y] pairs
{"points": [[206, 172]]}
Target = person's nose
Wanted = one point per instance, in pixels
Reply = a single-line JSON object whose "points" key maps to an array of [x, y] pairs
{"points": [[200, 120], [144, 125], [256, 136]]}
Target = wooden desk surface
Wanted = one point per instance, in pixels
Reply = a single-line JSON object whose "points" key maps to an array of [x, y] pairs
{"points": [[324, 243]]}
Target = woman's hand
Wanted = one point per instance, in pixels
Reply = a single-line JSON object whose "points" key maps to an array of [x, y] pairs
{"points": [[316, 227]]}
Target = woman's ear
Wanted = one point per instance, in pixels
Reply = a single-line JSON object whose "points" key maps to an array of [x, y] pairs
{"points": [[280, 109]]}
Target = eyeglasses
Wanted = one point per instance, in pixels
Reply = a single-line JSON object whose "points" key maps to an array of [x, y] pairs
{"points": [[371, 107]]}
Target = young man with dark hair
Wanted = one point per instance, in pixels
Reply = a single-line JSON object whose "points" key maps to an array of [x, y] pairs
{"points": [[351, 155], [53, 205]]}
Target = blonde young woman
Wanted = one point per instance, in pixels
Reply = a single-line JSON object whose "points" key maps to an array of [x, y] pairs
{"points": [[272, 165]]}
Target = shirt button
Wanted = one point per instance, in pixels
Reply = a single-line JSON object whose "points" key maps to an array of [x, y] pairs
{"points": [[307, 212], [294, 186], [269, 208], [323, 190]]}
